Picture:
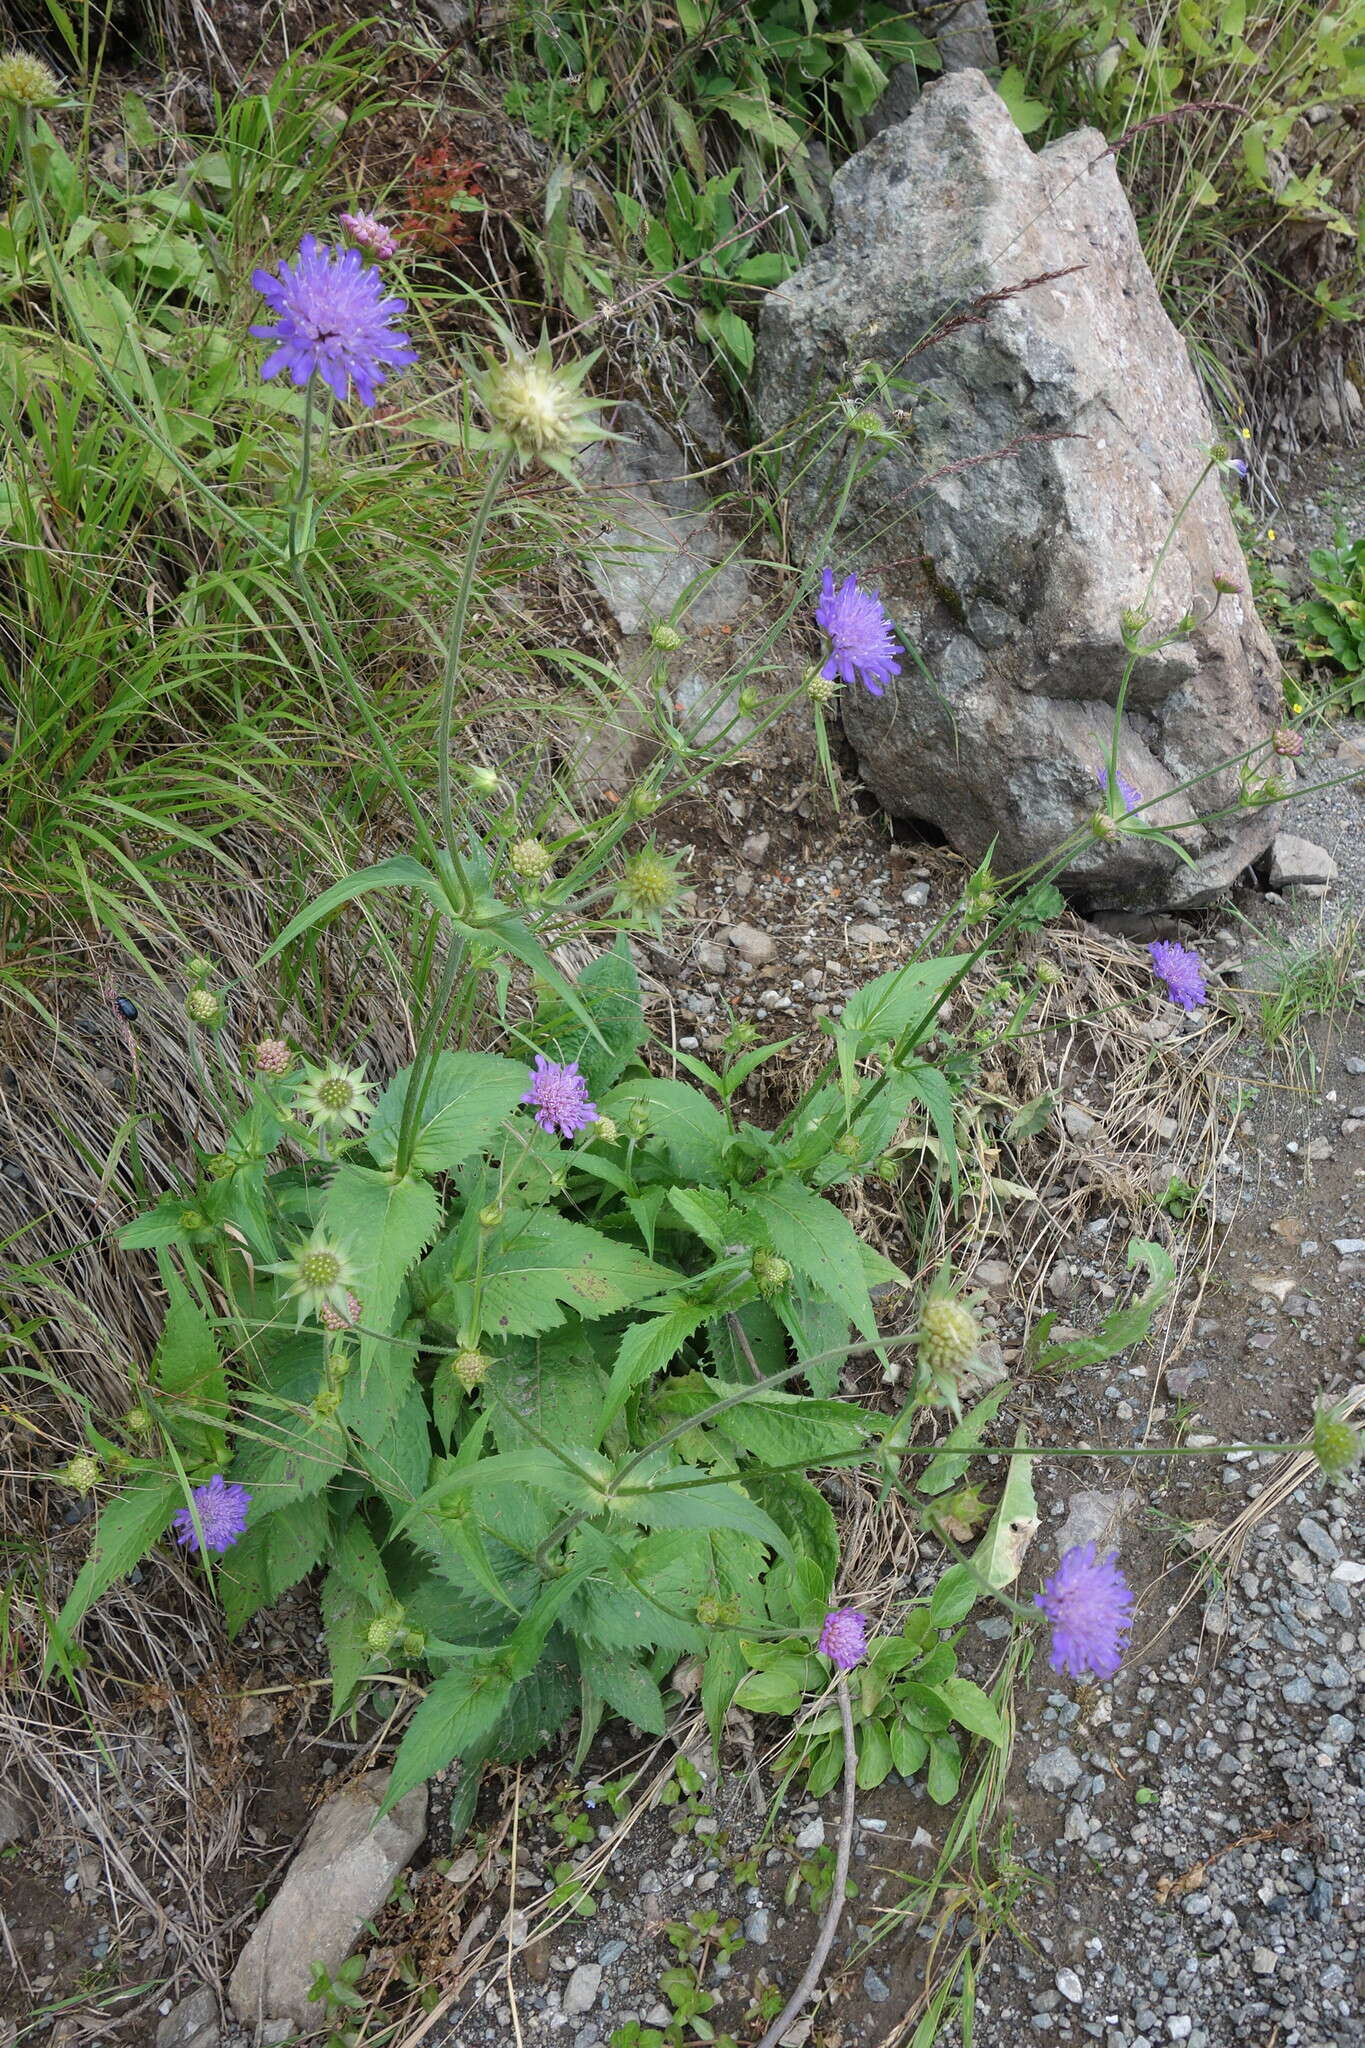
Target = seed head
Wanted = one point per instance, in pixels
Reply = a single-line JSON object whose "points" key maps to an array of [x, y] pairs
{"points": [[82, 1472], [199, 969], [1287, 742], [483, 780], [27, 82], [273, 1057], [642, 802], [202, 1006], [414, 1642], [137, 1422], [770, 1273], [530, 858], [326, 1401], [319, 1275], [604, 1131], [470, 1367], [1336, 1445], [949, 1336], [384, 1631], [820, 689], [665, 637], [334, 1098], [536, 410], [650, 887]]}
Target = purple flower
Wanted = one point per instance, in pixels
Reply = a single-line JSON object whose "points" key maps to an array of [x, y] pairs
{"points": [[1131, 797], [861, 646], [1089, 1604], [1182, 970], [560, 1098], [332, 319], [843, 1639], [221, 1507], [1238, 464], [368, 232]]}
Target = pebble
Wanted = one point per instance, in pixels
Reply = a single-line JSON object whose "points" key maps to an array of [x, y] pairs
{"points": [[1314, 1537], [757, 947], [916, 896], [868, 935], [580, 1993], [875, 1988], [758, 1925], [1070, 1986], [1056, 1770], [812, 1835]]}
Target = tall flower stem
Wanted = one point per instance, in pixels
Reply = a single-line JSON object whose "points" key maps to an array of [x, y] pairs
{"points": [[497, 477], [301, 507]]}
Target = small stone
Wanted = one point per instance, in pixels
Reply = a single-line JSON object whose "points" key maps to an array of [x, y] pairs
{"points": [[751, 944], [612, 1953], [875, 1988], [580, 1993], [1263, 1962], [755, 846], [1348, 1247], [193, 2023], [916, 896], [1070, 1986], [1314, 1537], [1349, 1573], [1298, 863], [812, 1835], [758, 1925], [1077, 1122], [868, 935], [16, 1816], [1180, 2026], [1093, 1516], [994, 1275], [1056, 1770]]}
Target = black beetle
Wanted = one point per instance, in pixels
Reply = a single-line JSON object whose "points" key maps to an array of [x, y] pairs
{"points": [[126, 1008]]}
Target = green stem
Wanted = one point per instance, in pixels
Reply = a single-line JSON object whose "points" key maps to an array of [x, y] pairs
{"points": [[299, 508], [497, 477]]}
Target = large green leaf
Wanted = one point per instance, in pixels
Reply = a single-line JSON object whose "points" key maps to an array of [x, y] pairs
{"points": [[538, 1262], [128, 1526], [554, 1385], [462, 1708], [274, 1554], [399, 1459], [400, 872], [820, 1243], [468, 1096], [692, 1130], [819, 1332], [629, 1690], [384, 1226], [643, 1593], [647, 1347], [885, 1007], [189, 1373], [683, 1497], [784, 1429]]}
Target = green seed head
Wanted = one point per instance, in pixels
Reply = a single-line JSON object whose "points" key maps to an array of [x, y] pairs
{"points": [[326, 1402], [137, 1422], [649, 883], [604, 1131], [949, 1337], [82, 1472], [414, 1642], [26, 81], [199, 969], [383, 1632], [531, 859], [821, 689], [665, 637], [319, 1269], [470, 1367], [1336, 1446], [202, 1006], [770, 1273]]}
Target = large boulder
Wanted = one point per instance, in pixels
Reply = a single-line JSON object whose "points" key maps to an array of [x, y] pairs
{"points": [[1048, 441]]}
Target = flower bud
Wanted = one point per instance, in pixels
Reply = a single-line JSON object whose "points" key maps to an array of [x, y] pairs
{"points": [[383, 1632], [202, 1006], [821, 689], [491, 1215], [82, 1472], [414, 1642], [273, 1057], [604, 1131], [665, 637], [335, 1319], [1287, 742], [637, 1120], [1336, 1445], [483, 781], [199, 969], [748, 702], [138, 1422], [326, 1401], [642, 802]]}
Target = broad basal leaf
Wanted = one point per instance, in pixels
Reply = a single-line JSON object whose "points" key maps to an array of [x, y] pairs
{"points": [[545, 1260], [468, 1096]]}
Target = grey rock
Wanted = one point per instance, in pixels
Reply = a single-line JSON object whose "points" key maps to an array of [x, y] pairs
{"points": [[1263, 1962], [751, 944], [339, 1879], [1298, 863], [193, 2023], [16, 1816], [1348, 1247], [1059, 537], [1078, 1122], [1092, 1517], [868, 935], [580, 1993], [1070, 1986], [1314, 1537], [661, 555], [875, 1988], [1056, 1770], [610, 1953], [812, 1835], [758, 1925]]}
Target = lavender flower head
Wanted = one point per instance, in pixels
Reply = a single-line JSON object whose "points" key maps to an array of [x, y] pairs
{"points": [[1131, 797], [331, 320], [843, 1639], [1089, 1604], [221, 1506], [559, 1095], [367, 231], [1182, 970], [861, 646]]}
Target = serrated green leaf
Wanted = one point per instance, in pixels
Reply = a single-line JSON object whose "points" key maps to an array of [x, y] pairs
{"points": [[947, 1466], [783, 1428], [610, 986], [665, 1499], [945, 1769], [630, 1691], [709, 1215], [883, 1009], [819, 1331], [468, 1096], [544, 1260], [399, 1459], [384, 1226], [692, 1131], [819, 1242], [646, 1348], [128, 1526], [461, 1709]]}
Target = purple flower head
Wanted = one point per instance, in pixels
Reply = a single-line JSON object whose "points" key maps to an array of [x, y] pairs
{"points": [[843, 1639], [1131, 797], [1088, 1602], [369, 232], [1238, 464], [861, 646], [559, 1096], [221, 1506], [1182, 970], [332, 320]]}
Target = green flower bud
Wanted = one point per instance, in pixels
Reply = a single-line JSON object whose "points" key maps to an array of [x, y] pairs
{"points": [[1336, 1445], [26, 81], [819, 688], [748, 701], [482, 780], [414, 1642], [202, 1006], [491, 1215], [530, 859], [138, 1422], [82, 1472], [326, 1401], [383, 1632], [470, 1367], [665, 637], [199, 969], [604, 1131], [642, 802], [637, 1120]]}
